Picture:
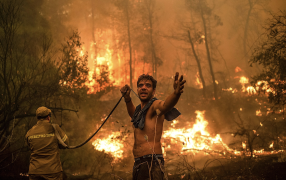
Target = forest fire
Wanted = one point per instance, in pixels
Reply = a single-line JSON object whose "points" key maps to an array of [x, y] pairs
{"points": [[260, 86], [192, 139], [195, 138], [101, 74], [112, 144], [74, 56], [107, 69]]}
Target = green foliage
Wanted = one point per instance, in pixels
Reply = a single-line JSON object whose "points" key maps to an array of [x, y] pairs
{"points": [[272, 56]]}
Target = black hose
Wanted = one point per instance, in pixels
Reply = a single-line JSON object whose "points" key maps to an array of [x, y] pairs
{"points": [[74, 147]]}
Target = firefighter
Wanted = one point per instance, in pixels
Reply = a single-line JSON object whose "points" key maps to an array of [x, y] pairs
{"points": [[45, 160]]}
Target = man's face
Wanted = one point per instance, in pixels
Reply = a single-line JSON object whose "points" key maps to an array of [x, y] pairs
{"points": [[145, 90]]}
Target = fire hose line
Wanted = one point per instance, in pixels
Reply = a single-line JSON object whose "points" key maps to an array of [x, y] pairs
{"points": [[74, 147]]}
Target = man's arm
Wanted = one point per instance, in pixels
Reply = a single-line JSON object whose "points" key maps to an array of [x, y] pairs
{"points": [[63, 135], [173, 98], [125, 90]]}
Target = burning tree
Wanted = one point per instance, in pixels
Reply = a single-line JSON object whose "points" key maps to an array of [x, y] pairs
{"points": [[272, 56], [125, 8], [73, 64]]}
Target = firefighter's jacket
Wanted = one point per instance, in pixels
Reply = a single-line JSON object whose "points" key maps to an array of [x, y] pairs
{"points": [[45, 155]]}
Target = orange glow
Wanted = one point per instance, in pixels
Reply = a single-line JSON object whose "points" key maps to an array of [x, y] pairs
{"points": [[271, 145], [251, 90], [259, 86], [230, 89], [102, 73], [195, 137], [198, 81], [174, 122], [81, 53], [110, 68], [243, 80], [237, 69], [111, 145], [258, 113], [243, 145], [192, 138], [91, 82], [264, 86]]}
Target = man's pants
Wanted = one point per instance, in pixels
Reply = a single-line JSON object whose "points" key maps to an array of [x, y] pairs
{"points": [[144, 167], [55, 176]]}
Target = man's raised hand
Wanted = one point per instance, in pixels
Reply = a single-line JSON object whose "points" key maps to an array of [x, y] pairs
{"points": [[179, 83], [125, 90]]}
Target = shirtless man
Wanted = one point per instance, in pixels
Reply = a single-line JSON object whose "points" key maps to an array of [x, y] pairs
{"points": [[148, 118]]}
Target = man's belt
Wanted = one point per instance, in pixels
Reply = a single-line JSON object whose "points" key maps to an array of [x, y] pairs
{"points": [[149, 156]]}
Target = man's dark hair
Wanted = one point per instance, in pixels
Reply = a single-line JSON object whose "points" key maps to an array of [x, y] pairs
{"points": [[147, 77]]}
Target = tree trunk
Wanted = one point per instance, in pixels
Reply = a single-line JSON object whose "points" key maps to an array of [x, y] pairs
{"points": [[154, 57], [208, 54], [199, 64], [245, 33]]}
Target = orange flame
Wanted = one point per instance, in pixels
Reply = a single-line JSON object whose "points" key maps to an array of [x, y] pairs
{"points": [[191, 140], [198, 81], [271, 145], [243, 80], [111, 144], [258, 113], [195, 138], [251, 90], [237, 69], [243, 145], [108, 69]]}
